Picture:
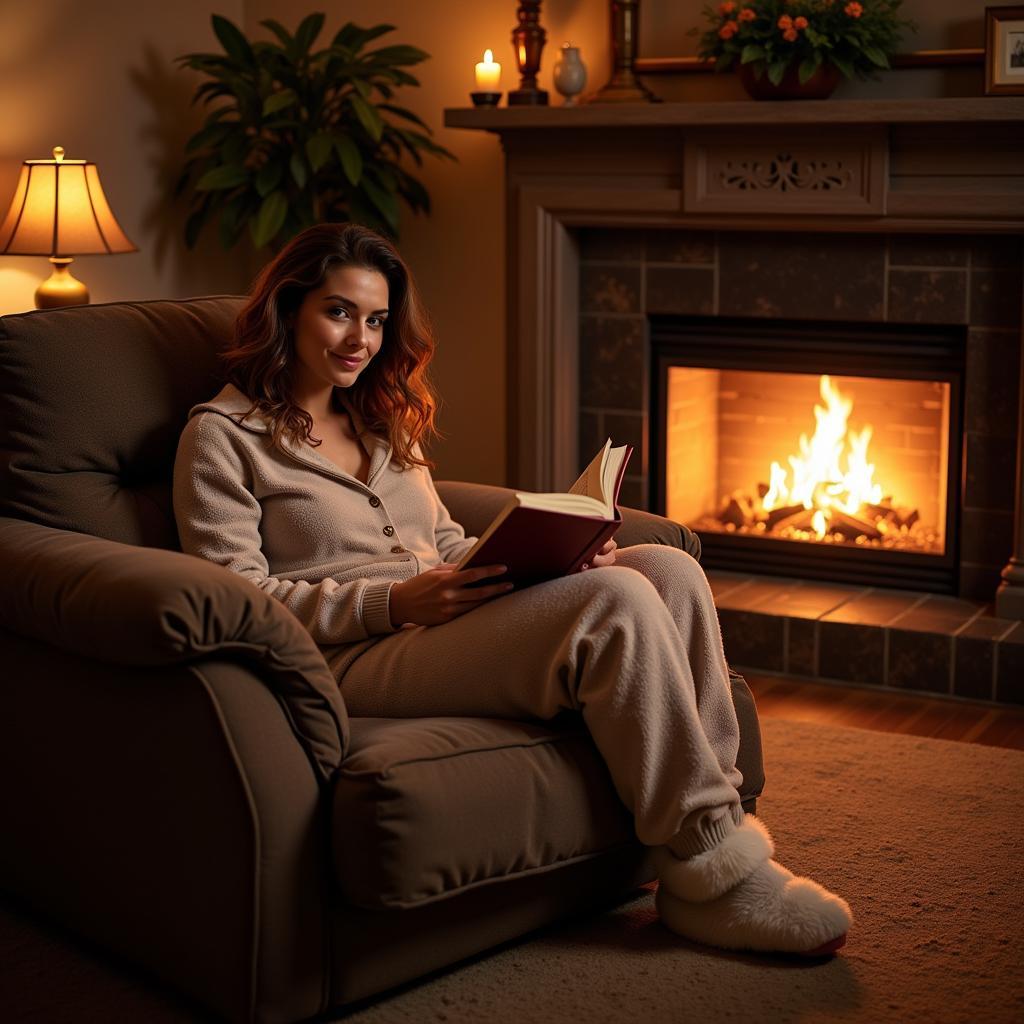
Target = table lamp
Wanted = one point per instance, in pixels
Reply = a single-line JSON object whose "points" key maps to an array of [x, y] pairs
{"points": [[59, 208]]}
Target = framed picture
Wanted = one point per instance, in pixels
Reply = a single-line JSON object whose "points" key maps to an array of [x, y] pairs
{"points": [[1004, 51]]}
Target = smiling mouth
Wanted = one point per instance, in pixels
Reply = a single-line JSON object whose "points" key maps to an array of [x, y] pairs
{"points": [[347, 360]]}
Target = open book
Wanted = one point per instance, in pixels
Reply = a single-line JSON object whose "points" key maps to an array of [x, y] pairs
{"points": [[542, 536]]}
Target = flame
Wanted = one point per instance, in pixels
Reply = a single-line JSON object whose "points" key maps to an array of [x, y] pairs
{"points": [[819, 481]]}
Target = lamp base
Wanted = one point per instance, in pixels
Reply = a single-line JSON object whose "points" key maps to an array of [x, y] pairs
{"points": [[61, 288]]}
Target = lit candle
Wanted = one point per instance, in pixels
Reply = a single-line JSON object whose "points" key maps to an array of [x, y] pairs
{"points": [[488, 73]]}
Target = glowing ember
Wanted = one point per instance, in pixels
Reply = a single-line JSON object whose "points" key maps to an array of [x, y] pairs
{"points": [[820, 483]]}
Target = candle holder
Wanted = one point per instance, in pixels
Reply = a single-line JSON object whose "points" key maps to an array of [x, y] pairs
{"points": [[624, 87], [528, 39], [485, 99]]}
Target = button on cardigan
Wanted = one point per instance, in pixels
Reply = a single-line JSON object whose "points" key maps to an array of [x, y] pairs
{"points": [[300, 528]]}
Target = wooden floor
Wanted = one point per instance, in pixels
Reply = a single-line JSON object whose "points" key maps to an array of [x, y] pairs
{"points": [[864, 708]]}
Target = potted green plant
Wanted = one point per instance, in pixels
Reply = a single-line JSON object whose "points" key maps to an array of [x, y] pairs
{"points": [[789, 49], [302, 136]]}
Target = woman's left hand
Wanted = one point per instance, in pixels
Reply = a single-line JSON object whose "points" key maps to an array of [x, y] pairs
{"points": [[606, 556]]}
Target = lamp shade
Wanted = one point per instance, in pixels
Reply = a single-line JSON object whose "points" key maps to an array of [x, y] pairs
{"points": [[59, 209]]}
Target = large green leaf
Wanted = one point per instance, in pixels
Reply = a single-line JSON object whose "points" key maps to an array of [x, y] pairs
{"points": [[234, 43], [318, 149], [273, 211], [307, 31], [298, 169], [386, 202], [402, 112], [776, 70], [287, 41], [368, 116], [397, 55], [211, 135], [351, 158], [808, 66], [278, 101], [225, 176], [269, 177], [354, 38], [751, 52]]}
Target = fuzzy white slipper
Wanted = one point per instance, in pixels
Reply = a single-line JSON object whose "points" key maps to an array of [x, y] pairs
{"points": [[709, 874], [771, 910]]}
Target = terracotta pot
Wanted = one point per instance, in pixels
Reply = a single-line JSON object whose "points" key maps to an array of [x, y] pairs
{"points": [[819, 86]]}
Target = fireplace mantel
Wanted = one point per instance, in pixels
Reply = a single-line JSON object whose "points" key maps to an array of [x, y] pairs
{"points": [[940, 166]]}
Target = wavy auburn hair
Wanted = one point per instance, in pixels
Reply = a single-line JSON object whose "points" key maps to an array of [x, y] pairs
{"points": [[393, 394]]}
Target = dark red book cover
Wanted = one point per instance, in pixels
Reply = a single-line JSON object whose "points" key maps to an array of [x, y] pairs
{"points": [[541, 544]]}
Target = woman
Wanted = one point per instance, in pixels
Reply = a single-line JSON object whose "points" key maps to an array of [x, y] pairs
{"points": [[305, 474]]}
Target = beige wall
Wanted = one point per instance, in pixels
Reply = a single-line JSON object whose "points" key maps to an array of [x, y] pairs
{"points": [[105, 88]]}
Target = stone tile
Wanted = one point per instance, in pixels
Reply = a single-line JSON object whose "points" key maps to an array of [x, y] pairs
{"points": [[986, 627], [995, 298], [612, 362], [928, 296], [683, 290], [680, 247], [801, 275], [624, 428], [609, 288], [592, 436], [991, 472], [979, 582], [993, 383], [622, 244], [761, 590], [1010, 667], [919, 661], [752, 640], [1003, 252], [986, 536], [876, 608], [928, 250], [972, 668], [812, 600], [944, 615], [722, 582], [801, 653], [852, 653]]}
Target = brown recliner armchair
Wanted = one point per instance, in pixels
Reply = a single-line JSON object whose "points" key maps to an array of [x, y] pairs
{"points": [[179, 779]]}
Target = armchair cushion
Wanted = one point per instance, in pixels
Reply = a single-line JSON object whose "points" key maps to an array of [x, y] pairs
{"points": [[427, 808], [143, 606]]}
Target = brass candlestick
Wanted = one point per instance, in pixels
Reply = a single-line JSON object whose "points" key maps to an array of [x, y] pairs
{"points": [[623, 86], [528, 39]]}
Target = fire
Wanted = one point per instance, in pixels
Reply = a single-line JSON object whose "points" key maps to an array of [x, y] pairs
{"points": [[819, 480]]}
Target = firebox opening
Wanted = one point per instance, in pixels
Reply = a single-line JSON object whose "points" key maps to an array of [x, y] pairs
{"points": [[816, 458], [828, 451]]}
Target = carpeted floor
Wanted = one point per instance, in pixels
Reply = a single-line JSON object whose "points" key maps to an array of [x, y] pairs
{"points": [[921, 836]]}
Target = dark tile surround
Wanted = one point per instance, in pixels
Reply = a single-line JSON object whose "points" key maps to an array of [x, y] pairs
{"points": [[626, 274]]}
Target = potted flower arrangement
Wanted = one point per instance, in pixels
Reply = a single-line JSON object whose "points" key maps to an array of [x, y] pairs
{"points": [[800, 49]]}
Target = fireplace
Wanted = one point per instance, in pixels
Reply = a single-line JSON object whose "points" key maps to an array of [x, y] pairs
{"points": [[822, 451]]}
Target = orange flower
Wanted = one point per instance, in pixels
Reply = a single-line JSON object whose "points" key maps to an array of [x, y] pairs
{"points": [[728, 30], [800, 22], [853, 10], [747, 14], [791, 35], [785, 22], [727, 8]]}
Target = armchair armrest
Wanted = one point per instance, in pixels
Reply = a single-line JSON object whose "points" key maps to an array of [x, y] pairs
{"points": [[129, 605], [475, 505]]}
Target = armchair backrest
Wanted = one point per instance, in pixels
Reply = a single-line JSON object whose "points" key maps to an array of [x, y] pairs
{"points": [[92, 400]]}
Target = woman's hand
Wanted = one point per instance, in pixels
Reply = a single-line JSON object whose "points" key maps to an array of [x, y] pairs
{"points": [[440, 594], [606, 556]]}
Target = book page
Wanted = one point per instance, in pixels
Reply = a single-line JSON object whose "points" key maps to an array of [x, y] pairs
{"points": [[591, 480]]}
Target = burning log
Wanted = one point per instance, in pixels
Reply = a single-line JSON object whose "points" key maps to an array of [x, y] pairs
{"points": [[850, 526], [777, 515], [799, 518]]}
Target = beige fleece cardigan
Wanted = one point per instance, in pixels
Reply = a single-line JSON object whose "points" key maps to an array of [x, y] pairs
{"points": [[326, 545]]}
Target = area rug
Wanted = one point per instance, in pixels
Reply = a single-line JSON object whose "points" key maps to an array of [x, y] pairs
{"points": [[923, 838]]}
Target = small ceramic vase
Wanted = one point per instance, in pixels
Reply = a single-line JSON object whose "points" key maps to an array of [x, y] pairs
{"points": [[570, 74]]}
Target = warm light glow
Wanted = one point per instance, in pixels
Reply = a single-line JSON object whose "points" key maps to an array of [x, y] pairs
{"points": [[59, 209], [819, 480], [488, 73]]}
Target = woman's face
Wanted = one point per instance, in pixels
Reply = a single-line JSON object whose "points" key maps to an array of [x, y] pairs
{"points": [[338, 328]]}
